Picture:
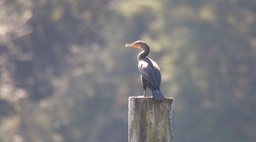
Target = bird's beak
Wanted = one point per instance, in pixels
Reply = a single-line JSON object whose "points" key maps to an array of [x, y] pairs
{"points": [[132, 45]]}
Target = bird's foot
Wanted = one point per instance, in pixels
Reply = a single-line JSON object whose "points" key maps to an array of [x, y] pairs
{"points": [[144, 94]]}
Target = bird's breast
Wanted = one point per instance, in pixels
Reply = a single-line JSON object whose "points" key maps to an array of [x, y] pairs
{"points": [[142, 64]]}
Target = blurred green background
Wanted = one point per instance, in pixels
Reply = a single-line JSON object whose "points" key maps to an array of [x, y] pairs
{"points": [[65, 75]]}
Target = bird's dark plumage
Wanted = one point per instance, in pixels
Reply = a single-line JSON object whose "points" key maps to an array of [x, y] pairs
{"points": [[149, 70]]}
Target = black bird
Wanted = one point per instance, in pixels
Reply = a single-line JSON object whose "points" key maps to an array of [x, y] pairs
{"points": [[149, 70]]}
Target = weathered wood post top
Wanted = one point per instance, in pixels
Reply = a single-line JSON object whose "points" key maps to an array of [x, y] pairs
{"points": [[149, 120]]}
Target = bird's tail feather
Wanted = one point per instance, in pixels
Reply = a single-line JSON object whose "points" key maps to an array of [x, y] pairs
{"points": [[158, 95]]}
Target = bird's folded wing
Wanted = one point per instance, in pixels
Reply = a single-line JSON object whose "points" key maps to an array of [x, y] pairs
{"points": [[147, 71], [157, 73]]}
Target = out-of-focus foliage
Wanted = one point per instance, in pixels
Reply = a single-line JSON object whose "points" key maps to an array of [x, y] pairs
{"points": [[65, 75]]}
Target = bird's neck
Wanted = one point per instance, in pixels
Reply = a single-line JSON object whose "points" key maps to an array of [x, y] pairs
{"points": [[144, 53]]}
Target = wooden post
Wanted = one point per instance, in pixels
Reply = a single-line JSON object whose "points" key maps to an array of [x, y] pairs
{"points": [[149, 120]]}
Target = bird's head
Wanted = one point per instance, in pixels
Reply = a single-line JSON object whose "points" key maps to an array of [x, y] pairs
{"points": [[137, 44]]}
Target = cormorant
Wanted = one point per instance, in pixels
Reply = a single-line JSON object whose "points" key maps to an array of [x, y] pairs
{"points": [[149, 70]]}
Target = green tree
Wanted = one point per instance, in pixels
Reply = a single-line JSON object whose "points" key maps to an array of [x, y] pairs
{"points": [[66, 76]]}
